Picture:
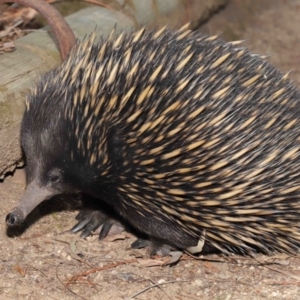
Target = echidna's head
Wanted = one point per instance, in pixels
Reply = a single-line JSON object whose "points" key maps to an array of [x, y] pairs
{"points": [[52, 167], [44, 153], [63, 135]]}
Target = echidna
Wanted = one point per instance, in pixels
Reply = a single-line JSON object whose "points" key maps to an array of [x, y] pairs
{"points": [[183, 135]]}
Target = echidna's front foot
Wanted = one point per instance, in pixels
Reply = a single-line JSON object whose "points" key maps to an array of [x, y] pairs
{"points": [[91, 220]]}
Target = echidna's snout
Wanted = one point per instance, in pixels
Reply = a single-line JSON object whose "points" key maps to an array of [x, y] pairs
{"points": [[33, 196]]}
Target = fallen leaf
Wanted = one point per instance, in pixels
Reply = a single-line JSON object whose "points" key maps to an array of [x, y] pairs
{"points": [[20, 270], [150, 262], [115, 237], [175, 257]]}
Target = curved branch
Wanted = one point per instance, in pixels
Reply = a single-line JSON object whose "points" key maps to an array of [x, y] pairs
{"points": [[62, 32]]}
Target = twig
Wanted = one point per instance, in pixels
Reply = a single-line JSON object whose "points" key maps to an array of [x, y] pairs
{"points": [[94, 270], [96, 2], [278, 271], [162, 290], [66, 287], [61, 30], [153, 286]]}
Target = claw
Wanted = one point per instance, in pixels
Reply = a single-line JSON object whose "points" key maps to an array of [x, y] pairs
{"points": [[91, 220], [140, 243], [79, 226], [105, 230]]}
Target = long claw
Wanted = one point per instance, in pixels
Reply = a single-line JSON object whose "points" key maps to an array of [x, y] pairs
{"points": [[105, 230], [90, 221]]}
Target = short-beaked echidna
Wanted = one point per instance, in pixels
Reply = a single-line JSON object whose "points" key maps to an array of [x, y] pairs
{"points": [[183, 135]]}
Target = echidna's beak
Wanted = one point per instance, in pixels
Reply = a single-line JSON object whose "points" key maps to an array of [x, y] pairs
{"points": [[32, 197]]}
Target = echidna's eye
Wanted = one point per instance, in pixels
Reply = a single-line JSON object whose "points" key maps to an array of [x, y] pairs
{"points": [[54, 176]]}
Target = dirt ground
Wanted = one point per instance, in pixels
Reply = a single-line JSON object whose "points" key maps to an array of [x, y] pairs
{"points": [[45, 261]]}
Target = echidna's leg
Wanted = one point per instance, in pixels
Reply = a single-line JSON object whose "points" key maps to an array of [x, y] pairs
{"points": [[90, 220]]}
